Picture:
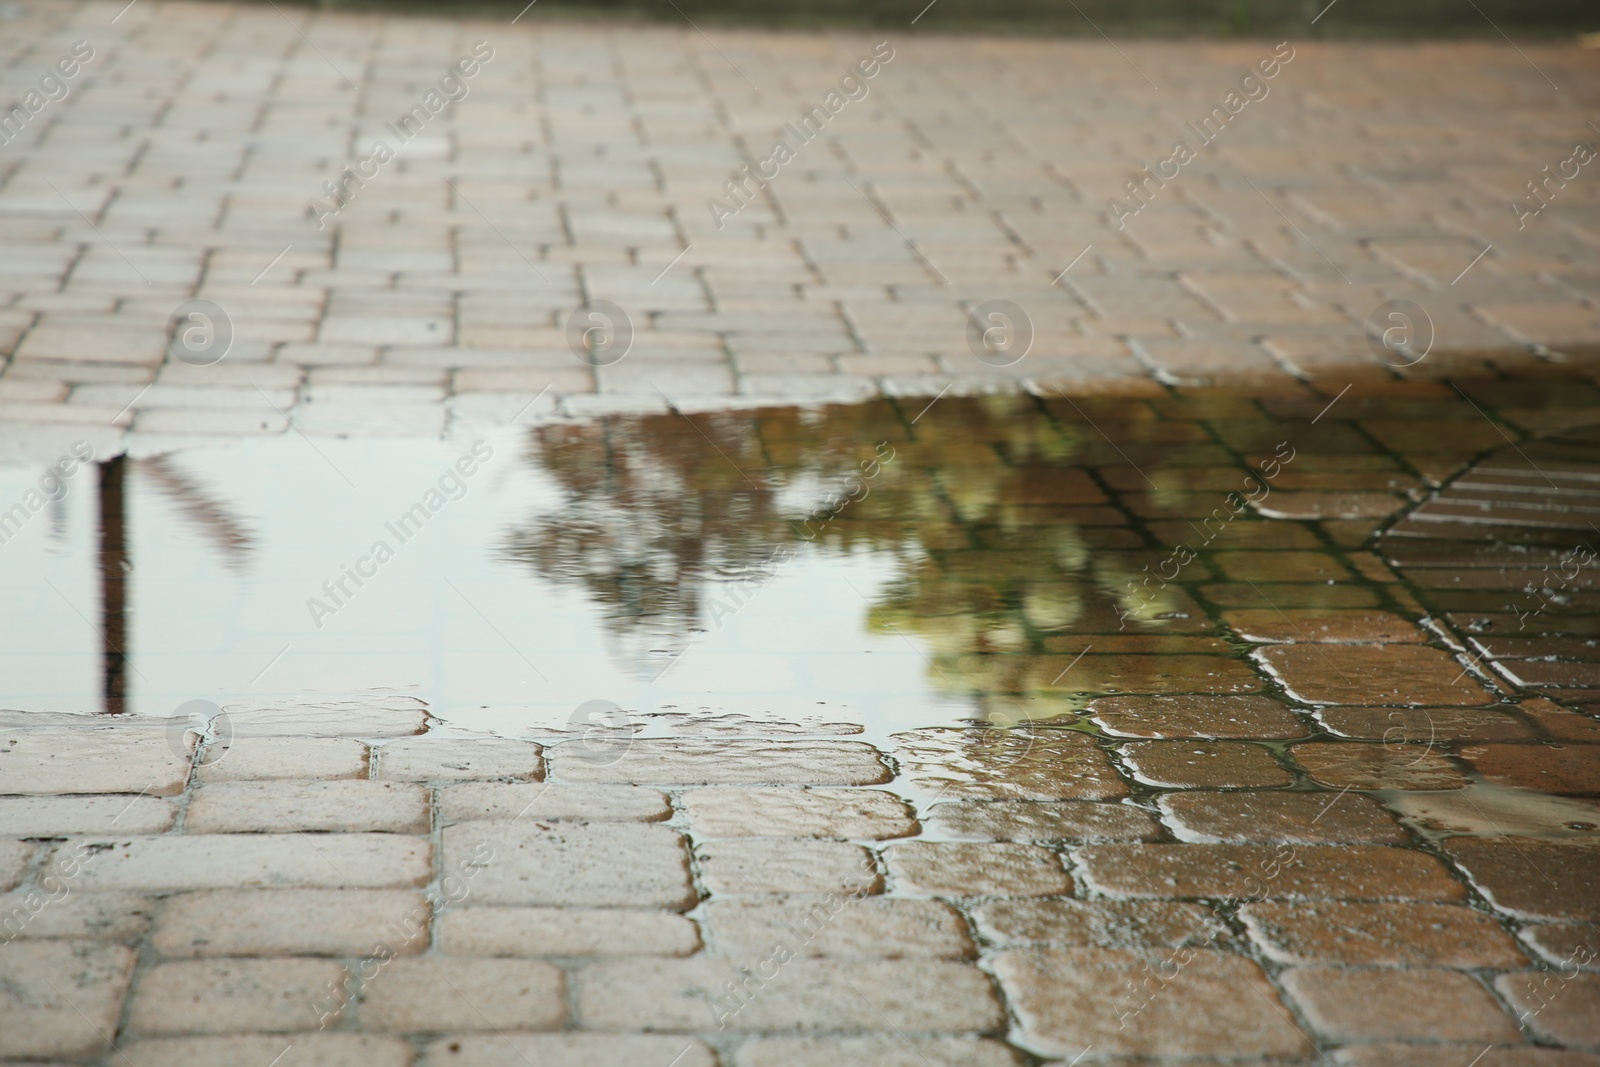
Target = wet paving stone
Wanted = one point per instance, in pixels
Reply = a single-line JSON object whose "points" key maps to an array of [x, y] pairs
{"points": [[860, 814], [1390, 934], [1299, 818], [779, 865], [1425, 726], [1267, 626], [1371, 766], [1040, 821], [1563, 1008], [1531, 878], [869, 928], [1196, 717], [604, 864], [1202, 765], [1380, 1004], [1039, 764], [296, 807], [895, 1051], [977, 869], [1570, 770], [732, 762], [1133, 925], [1314, 872], [1358, 674]]}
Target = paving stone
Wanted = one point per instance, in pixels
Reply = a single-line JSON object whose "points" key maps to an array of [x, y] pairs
{"points": [[1266, 625], [863, 814], [51, 910], [973, 868], [1043, 764], [305, 1050], [1430, 1055], [891, 1051], [225, 861], [1070, 1000], [1530, 878], [1424, 726], [1195, 716], [375, 717], [1372, 766], [870, 927], [235, 996], [1384, 1004], [694, 761], [432, 994], [1272, 872], [573, 864], [99, 759], [786, 865], [551, 800], [257, 758], [566, 1050], [1562, 1007], [14, 858], [1136, 925], [1363, 674], [1567, 945], [428, 759], [61, 816], [1365, 934], [1570, 770], [292, 922], [289, 807], [565, 932], [1040, 821], [920, 995], [60, 998], [1203, 764], [1302, 818]]}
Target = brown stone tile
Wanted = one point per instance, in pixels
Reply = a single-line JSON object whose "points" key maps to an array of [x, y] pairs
{"points": [[1360, 674], [1041, 821], [1560, 722], [1125, 924], [1385, 1004], [1567, 945], [1364, 934], [1569, 770], [1559, 1006], [995, 764], [1266, 625], [1195, 716], [1530, 878], [1433, 1055], [974, 869], [1203, 764], [1365, 765], [1309, 872], [1280, 567], [1425, 726], [1301, 818]]}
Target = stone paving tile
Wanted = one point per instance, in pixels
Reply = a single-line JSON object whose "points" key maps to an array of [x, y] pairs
{"points": [[291, 922], [1301, 818], [565, 932], [1203, 765], [550, 800], [1571, 770], [1560, 1007], [974, 869], [1567, 944], [438, 759], [1384, 1004], [256, 758], [1409, 934], [565, 1050], [432, 995], [291, 807], [308, 1050], [1530, 878], [14, 859], [1070, 1000], [44, 912], [786, 865], [61, 816], [1309, 872], [1040, 821], [1265, 625], [1135, 925], [235, 996], [1424, 725], [1387, 766], [677, 761], [226, 861], [893, 1051], [60, 998], [1195, 716], [1043, 764], [1361, 674], [849, 813], [572, 864], [870, 927], [1434, 1055], [926, 996], [106, 759]]}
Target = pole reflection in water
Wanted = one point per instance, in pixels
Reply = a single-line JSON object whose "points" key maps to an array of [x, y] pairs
{"points": [[114, 572]]}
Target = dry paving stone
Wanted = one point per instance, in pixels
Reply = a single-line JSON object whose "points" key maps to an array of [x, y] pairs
{"points": [[236, 997], [786, 865], [876, 1050], [1373, 674], [58, 997], [1309, 872], [386, 717], [565, 932], [258, 1050], [1398, 1005], [61, 816], [577, 864], [268, 758], [1559, 1006], [1364, 765], [1203, 764], [1532, 878], [1402, 1055], [14, 857], [291, 807], [1019, 764], [292, 922], [75, 916], [863, 814], [1041, 821], [225, 861], [1380, 933], [1070, 1000], [550, 800], [920, 995], [434, 994], [1127, 924], [694, 761], [566, 1050], [977, 869], [1424, 726], [1567, 945], [1567, 770], [1266, 625], [873, 927], [1195, 716], [91, 759], [428, 759], [1301, 818]]}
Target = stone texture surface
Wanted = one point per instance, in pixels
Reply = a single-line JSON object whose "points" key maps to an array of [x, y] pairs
{"points": [[566, 1050], [565, 932], [1380, 1004], [1301, 818], [1562, 1007], [1383, 674], [292, 922], [871, 927], [1356, 872], [1195, 716], [438, 759], [256, 758], [1561, 769], [1040, 821], [60, 998], [842, 813], [60, 816], [236, 996], [977, 869], [432, 995], [102, 759], [309, 1049], [881, 1051], [1530, 878], [289, 807], [224, 861], [1377, 933], [730, 762], [780, 865], [992, 764], [1400, 766], [1199, 764], [1124, 924], [512, 801], [576, 864]]}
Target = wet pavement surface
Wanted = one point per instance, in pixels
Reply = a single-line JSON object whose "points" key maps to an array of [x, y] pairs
{"points": [[1198, 726]]}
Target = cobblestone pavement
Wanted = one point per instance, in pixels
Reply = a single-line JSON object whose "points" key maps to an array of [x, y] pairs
{"points": [[580, 163]]}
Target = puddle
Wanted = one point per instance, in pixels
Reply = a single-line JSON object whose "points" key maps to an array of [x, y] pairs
{"points": [[1487, 810], [836, 569]]}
